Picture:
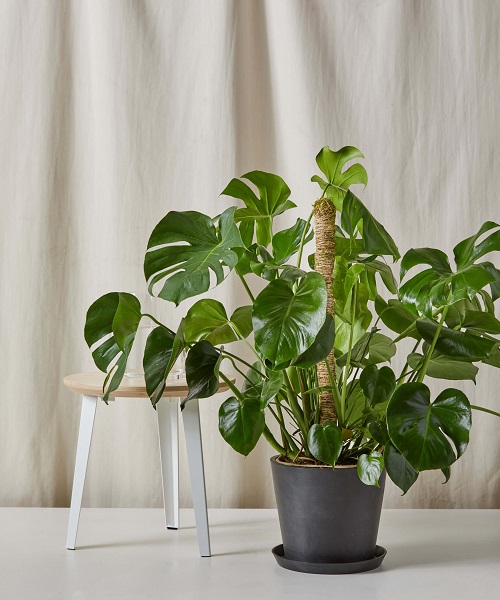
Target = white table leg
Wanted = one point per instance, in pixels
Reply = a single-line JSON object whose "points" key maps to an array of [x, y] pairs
{"points": [[168, 432], [191, 420], [89, 404]]}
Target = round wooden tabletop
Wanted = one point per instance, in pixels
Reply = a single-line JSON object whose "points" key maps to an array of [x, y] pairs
{"points": [[90, 384]]}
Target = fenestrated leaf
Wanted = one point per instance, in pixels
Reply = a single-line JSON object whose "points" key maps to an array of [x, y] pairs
{"points": [[398, 468], [439, 286], [422, 430], [376, 240], [457, 344], [208, 320], [259, 212], [241, 423], [495, 282], [320, 348], [376, 266], [287, 242], [337, 181], [370, 467], [195, 248], [111, 324], [377, 384], [466, 252], [444, 367], [325, 442], [157, 354], [202, 371], [287, 320], [437, 259]]}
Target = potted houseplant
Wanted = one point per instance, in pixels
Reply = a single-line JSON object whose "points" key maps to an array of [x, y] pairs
{"points": [[319, 386]]}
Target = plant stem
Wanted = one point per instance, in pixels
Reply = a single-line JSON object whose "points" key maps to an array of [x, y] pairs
{"points": [[157, 322], [486, 410], [273, 442], [348, 361], [423, 369], [303, 238], [245, 285]]}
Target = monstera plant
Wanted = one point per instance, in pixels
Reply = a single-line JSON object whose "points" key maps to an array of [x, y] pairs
{"points": [[318, 385], [318, 342]]}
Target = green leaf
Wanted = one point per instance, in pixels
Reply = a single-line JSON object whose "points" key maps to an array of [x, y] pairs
{"points": [[110, 327], [444, 367], [337, 181], [385, 272], [439, 286], [370, 467], [494, 358], [396, 316], [495, 283], [325, 442], [466, 252], [399, 469], [271, 387], [375, 238], [380, 349], [378, 430], [481, 321], [208, 320], [241, 423], [320, 348], [259, 212], [202, 371], [428, 256], [377, 384], [157, 354], [457, 344], [286, 321], [422, 430], [286, 243], [195, 248]]}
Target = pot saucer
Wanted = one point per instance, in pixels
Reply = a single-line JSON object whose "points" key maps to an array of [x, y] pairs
{"points": [[329, 568]]}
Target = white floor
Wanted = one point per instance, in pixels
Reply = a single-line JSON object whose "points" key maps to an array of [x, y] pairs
{"points": [[127, 554]]}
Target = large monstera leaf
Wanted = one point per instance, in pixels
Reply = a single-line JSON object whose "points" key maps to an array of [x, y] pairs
{"points": [[337, 181], [287, 318], [428, 435], [110, 328], [439, 285], [185, 247], [259, 212]]}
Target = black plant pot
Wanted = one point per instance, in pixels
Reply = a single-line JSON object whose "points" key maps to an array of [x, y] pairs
{"points": [[329, 519]]}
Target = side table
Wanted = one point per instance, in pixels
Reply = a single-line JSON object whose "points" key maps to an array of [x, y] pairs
{"points": [[89, 385]]}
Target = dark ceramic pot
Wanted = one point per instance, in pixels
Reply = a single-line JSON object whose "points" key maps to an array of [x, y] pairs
{"points": [[326, 515]]}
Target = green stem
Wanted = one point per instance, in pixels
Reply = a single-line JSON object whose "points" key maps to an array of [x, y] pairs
{"points": [[486, 410], [303, 238], [273, 442], [404, 372], [230, 385], [294, 405], [245, 285], [157, 322], [423, 369], [348, 361]]}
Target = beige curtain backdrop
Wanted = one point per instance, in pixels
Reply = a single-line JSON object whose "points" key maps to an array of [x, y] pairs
{"points": [[115, 112]]}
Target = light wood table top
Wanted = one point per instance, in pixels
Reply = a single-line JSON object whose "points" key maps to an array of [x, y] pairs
{"points": [[90, 384]]}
